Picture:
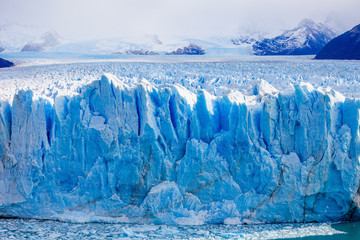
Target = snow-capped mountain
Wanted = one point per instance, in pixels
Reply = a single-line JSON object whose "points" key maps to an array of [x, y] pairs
{"points": [[306, 39], [45, 41], [16, 37], [249, 37], [244, 40], [250, 33], [345, 46], [13, 37]]}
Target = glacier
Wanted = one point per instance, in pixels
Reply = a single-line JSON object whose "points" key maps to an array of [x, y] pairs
{"points": [[114, 152]]}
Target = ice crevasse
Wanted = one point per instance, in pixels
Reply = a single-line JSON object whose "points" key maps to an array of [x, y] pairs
{"points": [[141, 153]]}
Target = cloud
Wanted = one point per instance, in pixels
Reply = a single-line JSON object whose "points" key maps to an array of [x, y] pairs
{"points": [[112, 18]]}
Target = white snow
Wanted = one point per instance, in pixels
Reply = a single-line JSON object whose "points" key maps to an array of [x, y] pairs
{"points": [[52, 75]]}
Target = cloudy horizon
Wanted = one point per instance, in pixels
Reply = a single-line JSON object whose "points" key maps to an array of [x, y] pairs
{"points": [[109, 18]]}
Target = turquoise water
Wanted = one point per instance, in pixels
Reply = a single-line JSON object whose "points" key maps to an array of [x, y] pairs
{"points": [[351, 231], [37, 229]]}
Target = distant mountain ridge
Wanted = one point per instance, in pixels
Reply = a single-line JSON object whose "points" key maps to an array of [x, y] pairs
{"points": [[13, 37], [307, 38], [345, 46], [16, 38]]}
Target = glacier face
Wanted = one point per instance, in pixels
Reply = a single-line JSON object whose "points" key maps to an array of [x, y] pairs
{"points": [[120, 153]]}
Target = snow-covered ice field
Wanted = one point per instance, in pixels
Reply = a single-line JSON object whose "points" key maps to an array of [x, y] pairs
{"points": [[50, 73]]}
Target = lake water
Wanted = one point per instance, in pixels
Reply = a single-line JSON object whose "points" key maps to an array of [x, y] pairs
{"points": [[37, 229]]}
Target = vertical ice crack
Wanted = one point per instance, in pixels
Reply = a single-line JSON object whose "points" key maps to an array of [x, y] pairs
{"points": [[271, 195], [308, 182], [353, 206]]}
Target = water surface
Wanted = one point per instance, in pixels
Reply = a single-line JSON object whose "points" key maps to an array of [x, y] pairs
{"points": [[37, 229]]}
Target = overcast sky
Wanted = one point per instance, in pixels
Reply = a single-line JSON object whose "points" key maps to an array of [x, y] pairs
{"points": [[195, 18]]}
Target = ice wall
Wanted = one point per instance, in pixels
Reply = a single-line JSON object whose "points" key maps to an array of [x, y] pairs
{"points": [[166, 155]]}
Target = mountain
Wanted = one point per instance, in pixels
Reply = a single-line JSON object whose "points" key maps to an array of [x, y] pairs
{"points": [[345, 46], [244, 40], [306, 39], [248, 37], [13, 37], [45, 41], [192, 49], [5, 63]]}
